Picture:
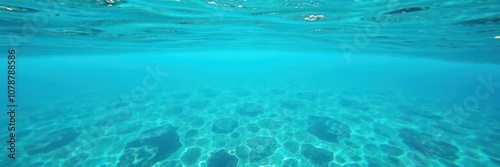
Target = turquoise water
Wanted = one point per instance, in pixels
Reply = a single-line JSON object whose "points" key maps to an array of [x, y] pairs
{"points": [[253, 83]]}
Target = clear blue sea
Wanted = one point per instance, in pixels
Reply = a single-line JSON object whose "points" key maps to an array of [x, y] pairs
{"points": [[251, 83]]}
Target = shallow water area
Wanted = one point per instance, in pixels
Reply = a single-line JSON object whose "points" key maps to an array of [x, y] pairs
{"points": [[219, 83], [270, 108]]}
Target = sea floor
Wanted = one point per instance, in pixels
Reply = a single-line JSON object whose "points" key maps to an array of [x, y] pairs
{"points": [[216, 125]]}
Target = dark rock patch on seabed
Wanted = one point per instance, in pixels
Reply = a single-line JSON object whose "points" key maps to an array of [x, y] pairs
{"points": [[224, 125], [425, 144], [152, 146], [249, 109], [261, 147], [328, 129], [222, 159], [316, 156], [54, 141]]}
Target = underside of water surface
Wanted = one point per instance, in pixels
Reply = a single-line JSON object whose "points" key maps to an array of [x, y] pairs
{"points": [[252, 83]]}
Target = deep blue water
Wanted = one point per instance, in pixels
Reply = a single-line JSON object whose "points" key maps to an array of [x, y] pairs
{"points": [[253, 83]]}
